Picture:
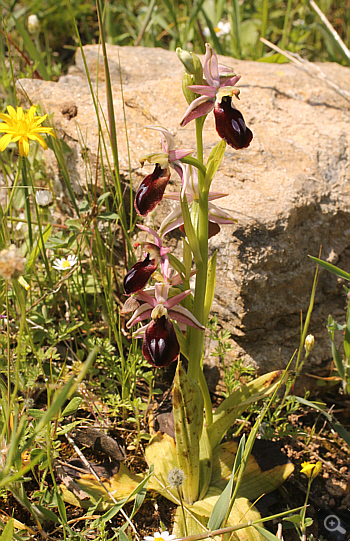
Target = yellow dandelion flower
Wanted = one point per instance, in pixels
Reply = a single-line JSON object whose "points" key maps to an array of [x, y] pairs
{"points": [[20, 127]]}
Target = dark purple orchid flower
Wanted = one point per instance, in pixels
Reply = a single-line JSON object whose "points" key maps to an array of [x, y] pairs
{"points": [[139, 274], [230, 125], [160, 345], [217, 95], [152, 188]]}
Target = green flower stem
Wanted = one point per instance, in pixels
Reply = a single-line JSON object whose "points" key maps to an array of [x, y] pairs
{"points": [[196, 163], [303, 511], [197, 336], [19, 168]]}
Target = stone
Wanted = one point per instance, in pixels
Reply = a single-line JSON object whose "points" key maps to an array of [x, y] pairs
{"points": [[289, 190]]}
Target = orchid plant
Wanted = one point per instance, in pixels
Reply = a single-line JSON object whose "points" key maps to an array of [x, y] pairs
{"points": [[158, 290]]}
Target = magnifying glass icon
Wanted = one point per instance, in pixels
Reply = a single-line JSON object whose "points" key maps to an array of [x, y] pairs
{"points": [[332, 524]]}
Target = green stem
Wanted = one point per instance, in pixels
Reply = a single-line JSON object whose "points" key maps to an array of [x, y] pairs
{"points": [[197, 336], [303, 511], [14, 185]]}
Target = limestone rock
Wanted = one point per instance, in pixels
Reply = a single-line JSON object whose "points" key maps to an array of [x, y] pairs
{"points": [[289, 190]]}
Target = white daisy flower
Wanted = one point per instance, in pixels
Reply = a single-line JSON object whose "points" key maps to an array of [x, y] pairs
{"points": [[160, 536], [223, 28], [43, 198], [65, 263]]}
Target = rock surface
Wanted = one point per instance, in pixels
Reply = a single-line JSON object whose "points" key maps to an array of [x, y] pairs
{"points": [[289, 190]]}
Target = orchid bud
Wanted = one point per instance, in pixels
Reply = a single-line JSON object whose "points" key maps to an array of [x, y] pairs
{"points": [[187, 60], [33, 24], [309, 343]]}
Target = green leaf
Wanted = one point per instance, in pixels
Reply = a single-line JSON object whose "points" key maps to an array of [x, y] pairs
{"points": [[108, 216], [338, 359], [61, 507], [161, 452], [268, 535], [314, 405], [343, 433], [256, 480], [214, 162], [48, 514], [331, 268], [188, 407], [205, 463], [72, 407], [7, 534], [295, 519], [211, 281], [102, 198], [239, 400], [184, 348], [222, 505]]}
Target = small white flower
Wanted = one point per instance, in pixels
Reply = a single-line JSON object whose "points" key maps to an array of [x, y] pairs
{"points": [[160, 536], [43, 198], [65, 263], [33, 24], [223, 28]]}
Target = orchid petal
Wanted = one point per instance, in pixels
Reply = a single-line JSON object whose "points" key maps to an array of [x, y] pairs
{"points": [[151, 190], [146, 297], [143, 312], [160, 346], [166, 136], [177, 299], [151, 232], [211, 66], [178, 154], [199, 107], [140, 332], [177, 224], [219, 215], [177, 279], [161, 292], [216, 195], [182, 315], [231, 81], [178, 168], [203, 90]]}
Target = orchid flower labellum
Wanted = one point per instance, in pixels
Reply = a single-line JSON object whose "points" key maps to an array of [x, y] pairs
{"points": [[217, 95], [152, 187]]}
